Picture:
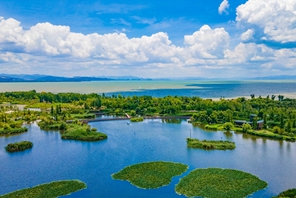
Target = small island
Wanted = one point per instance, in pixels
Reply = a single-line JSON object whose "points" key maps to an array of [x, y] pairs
{"points": [[83, 132], [290, 193], [151, 175], [210, 144], [19, 146], [219, 183], [49, 190]]}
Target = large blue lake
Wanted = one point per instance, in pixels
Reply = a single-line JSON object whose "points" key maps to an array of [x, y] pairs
{"points": [[202, 89], [52, 158]]}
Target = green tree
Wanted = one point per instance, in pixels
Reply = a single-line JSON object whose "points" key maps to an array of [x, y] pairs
{"points": [[282, 124], [265, 121], [289, 126], [254, 123], [277, 129], [51, 110], [246, 127], [97, 103], [228, 126]]}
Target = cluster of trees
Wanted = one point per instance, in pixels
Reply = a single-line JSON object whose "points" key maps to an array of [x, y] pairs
{"points": [[279, 112]]}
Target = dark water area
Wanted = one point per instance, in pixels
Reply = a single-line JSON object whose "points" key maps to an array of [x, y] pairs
{"points": [[53, 159], [227, 89]]}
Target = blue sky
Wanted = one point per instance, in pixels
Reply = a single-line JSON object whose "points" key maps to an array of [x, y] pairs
{"points": [[193, 38]]}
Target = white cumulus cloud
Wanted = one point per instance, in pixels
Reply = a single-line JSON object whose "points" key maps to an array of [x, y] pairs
{"points": [[274, 20], [247, 35], [223, 7], [207, 42], [46, 48]]}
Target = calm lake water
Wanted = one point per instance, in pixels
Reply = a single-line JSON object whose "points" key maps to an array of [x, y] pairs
{"points": [[203, 89], [52, 158]]}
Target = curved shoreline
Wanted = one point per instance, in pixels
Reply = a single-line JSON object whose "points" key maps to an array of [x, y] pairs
{"points": [[126, 118]]}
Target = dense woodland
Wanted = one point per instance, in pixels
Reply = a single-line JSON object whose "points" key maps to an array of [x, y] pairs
{"points": [[278, 113]]}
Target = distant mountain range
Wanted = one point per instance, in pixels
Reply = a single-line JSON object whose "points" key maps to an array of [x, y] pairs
{"points": [[48, 78]]}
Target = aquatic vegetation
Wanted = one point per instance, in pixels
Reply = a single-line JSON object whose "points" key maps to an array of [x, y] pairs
{"points": [[137, 119], [48, 190], [150, 175], [19, 146], [210, 144], [219, 183], [82, 132]]}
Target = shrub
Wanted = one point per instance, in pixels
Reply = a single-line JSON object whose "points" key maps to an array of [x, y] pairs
{"points": [[227, 126], [246, 127], [276, 129]]}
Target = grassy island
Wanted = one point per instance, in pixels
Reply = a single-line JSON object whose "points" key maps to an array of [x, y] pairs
{"points": [[82, 132], [19, 146], [137, 119], [150, 175], [52, 125], [48, 190], [217, 182], [210, 144], [13, 130], [291, 193]]}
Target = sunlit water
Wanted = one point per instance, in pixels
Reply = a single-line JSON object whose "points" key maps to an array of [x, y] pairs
{"points": [[52, 158], [203, 89]]}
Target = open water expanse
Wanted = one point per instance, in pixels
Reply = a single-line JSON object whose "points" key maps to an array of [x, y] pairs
{"points": [[52, 158], [203, 89]]}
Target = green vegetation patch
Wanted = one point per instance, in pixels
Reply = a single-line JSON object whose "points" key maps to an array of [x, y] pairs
{"points": [[82, 132], [219, 183], [19, 146], [291, 193], [48, 190], [268, 134], [137, 119], [83, 116], [13, 130], [210, 144], [52, 125], [150, 175]]}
